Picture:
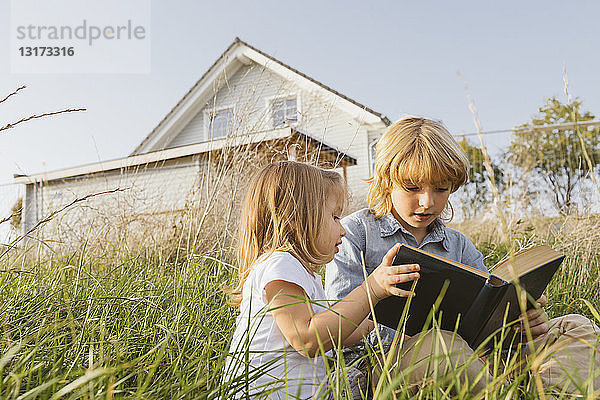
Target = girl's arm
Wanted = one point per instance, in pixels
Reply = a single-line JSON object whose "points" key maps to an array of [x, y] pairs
{"points": [[360, 332], [308, 332]]}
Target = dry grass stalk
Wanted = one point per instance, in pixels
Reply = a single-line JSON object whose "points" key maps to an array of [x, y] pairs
{"points": [[34, 116]]}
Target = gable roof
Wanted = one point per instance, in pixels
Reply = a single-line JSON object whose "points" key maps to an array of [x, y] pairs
{"points": [[237, 54]]}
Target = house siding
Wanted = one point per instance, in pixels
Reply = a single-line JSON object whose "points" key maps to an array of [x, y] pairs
{"points": [[198, 195], [145, 192], [330, 124], [192, 133], [250, 92], [247, 92]]}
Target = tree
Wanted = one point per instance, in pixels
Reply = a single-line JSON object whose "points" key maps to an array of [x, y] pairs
{"points": [[477, 191], [554, 147], [16, 214]]}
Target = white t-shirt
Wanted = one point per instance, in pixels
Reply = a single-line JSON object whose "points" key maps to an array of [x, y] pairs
{"points": [[281, 372]]}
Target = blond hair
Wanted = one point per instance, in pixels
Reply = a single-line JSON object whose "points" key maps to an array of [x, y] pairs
{"points": [[414, 151], [282, 211]]}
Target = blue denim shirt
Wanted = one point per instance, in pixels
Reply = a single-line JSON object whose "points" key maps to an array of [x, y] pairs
{"points": [[374, 237]]}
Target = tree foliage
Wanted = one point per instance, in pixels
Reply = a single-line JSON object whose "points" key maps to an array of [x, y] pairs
{"points": [[16, 214], [477, 191], [556, 154]]}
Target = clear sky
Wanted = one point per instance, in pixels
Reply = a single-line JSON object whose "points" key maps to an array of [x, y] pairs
{"points": [[395, 57]]}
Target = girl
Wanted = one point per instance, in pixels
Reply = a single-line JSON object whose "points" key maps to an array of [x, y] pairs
{"points": [[290, 227], [418, 165]]}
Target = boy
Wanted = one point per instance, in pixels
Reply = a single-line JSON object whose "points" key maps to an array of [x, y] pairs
{"points": [[418, 165]]}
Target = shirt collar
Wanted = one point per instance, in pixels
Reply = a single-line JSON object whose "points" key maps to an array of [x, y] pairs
{"points": [[388, 225]]}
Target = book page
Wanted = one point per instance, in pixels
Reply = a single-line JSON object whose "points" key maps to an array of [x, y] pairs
{"points": [[524, 261]]}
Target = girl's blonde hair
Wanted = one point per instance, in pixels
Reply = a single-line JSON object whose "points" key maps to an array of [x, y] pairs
{"points": [[414, 151], [282, 211]]}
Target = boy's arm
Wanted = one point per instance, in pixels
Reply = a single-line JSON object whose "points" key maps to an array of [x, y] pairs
{"points": [[471, 256], [345, 272]]}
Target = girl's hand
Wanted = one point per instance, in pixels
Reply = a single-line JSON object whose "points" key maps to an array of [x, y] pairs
{"points": [[382, 282]]}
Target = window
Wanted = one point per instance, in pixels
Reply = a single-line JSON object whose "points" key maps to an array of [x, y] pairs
{"points": [[285, 112], [220, 124]]}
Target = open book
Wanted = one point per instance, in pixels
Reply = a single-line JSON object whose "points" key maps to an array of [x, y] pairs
{"points": [[477, 300]]}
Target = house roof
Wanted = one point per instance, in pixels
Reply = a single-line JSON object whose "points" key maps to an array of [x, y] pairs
{"points": [[286, 133], [381, 116], [241, 51]]}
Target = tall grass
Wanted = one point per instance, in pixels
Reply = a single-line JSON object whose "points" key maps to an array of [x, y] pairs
{"points": [[109, 298], [131, 315], [84, 326]]}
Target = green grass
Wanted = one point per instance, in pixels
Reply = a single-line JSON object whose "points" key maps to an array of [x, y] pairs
{"points": [[145, 330], [126, 325]]}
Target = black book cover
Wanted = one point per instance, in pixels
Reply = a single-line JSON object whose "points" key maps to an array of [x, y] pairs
{"points": [[473, 298]]}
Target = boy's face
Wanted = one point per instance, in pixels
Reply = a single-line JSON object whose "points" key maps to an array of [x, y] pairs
{"points": [[416, 207]]}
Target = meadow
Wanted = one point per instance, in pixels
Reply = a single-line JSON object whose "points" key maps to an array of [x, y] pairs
{"points": [[95, 314], [129, 323]]}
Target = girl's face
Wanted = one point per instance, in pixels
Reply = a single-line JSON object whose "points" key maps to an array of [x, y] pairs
{"points": [[416, 207], [331, 231]]}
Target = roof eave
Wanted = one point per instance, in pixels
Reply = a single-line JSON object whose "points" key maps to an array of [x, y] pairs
{"points": [[177, 152]]}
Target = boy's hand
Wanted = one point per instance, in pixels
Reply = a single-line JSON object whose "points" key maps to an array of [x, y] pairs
{"points": [[382, 282], [537, 319]]}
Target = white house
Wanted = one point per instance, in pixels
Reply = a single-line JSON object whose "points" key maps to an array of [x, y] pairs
{"points": [[246, 100]]}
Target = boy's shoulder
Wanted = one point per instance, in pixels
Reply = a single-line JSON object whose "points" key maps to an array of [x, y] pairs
{"points": [[359, 221], [454, 235], [459, 242], [360, 217]]}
